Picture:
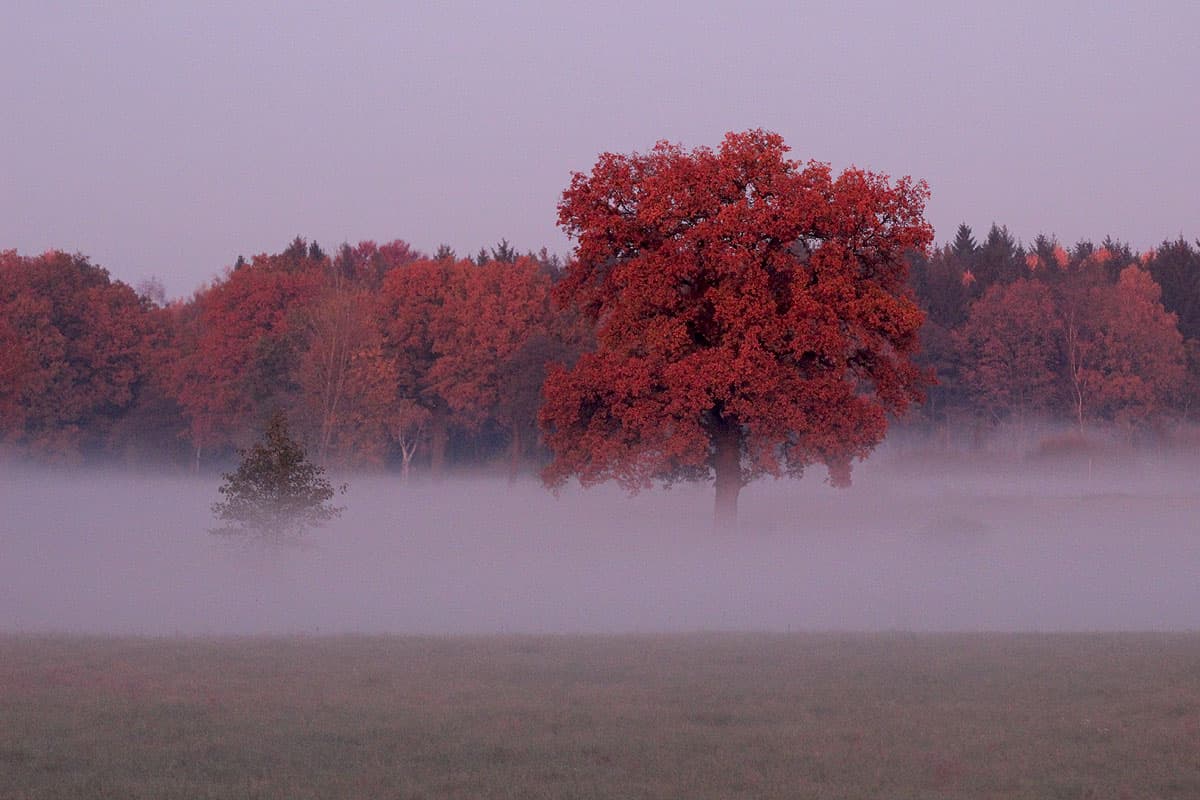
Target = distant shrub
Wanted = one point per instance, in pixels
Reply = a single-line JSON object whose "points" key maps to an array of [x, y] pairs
{"points": [[275, 490], [1068, 445]]}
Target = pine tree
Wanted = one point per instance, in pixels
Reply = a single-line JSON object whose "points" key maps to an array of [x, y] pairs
{"points": [[504, 252], [275, 490], [964, 245]]}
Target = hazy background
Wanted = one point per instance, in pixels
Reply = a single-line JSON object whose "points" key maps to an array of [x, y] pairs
{"points": [[166, 138], [911, 546]]}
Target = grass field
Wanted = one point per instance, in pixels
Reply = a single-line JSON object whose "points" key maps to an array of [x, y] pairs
{"points": [[691, 716]]}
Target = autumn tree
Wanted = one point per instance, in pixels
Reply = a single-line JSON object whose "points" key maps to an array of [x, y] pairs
{"points": [[1125, 355], [16, 372], [523, 374], [1075, 343], [73, 353], [462, 338], [500, 324], [364, 264], [752, 317], [345, 382], [1011, 350], [245, 341], [414, 310]]}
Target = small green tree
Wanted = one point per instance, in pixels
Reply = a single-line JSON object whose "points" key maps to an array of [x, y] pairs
{"points": [[275, 490]]}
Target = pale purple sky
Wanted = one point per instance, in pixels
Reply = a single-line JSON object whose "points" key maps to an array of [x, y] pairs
{"points": [[166, 138]]}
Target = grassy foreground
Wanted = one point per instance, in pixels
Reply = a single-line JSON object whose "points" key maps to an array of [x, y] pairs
{"points": [[704, 716]]}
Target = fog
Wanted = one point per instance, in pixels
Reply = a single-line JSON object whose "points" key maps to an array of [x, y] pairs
{"points": [[912, 545]]}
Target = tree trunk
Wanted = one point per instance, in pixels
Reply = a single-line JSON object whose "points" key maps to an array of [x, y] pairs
{"points": [[438, 436], [514, 453], [727, 464]]}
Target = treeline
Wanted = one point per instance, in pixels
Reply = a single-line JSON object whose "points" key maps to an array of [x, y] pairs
{"points": [[383, 356], [1090, 334], [379, 355]]}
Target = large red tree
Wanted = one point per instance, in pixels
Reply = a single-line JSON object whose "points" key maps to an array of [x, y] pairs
{"points": [[502, 308], [1011, 349], [73, 350], [239, 346], [752, 316], [414, 308]]}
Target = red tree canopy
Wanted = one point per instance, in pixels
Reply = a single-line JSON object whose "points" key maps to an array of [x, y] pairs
{"points": [[465, 337], [73, 352], [415, 314], [1125, 356], [500, 306], [752, 315], [243, 351], [1011, 348]]}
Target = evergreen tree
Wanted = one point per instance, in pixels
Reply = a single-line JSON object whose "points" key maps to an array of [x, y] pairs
{"points": [[1175, 266], [504, 252], [1000, 259], [964, 245], [275, 490], [297, 250]]}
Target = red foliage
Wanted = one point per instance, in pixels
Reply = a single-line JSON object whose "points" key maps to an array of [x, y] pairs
{"points": [[73, 350], [1011, 349], [453, 329], [413, 316], [1125, 354], [752, 316], [366, 263], [1100, 350], [347, 387], [499, 307], [241, 346]]}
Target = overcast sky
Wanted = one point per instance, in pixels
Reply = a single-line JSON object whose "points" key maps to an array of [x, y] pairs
{"points": [[166, 138]]}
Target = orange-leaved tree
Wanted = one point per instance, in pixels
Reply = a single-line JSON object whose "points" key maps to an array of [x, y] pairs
{"points": [[73, 352], [752, 316], [1011, 348], [414, 308], [346, 383], [1124, 353], [499, 321], [240, 362]]}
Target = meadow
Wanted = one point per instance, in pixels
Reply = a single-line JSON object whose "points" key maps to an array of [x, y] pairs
{"points": [[699, 716], [942, 629]]}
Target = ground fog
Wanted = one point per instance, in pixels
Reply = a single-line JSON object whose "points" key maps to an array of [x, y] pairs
{"points": [[911, 546]]}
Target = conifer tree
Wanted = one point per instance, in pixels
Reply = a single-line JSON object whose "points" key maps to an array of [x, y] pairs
{"points": [[275, 490]]}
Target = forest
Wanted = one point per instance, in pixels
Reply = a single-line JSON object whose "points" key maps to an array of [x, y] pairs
{"points": [[384, 357]]}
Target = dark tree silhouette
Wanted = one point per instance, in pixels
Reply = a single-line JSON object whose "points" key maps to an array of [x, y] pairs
{"points": [[964, 245], [504, 252], [275, 490], [1000, 259]]}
